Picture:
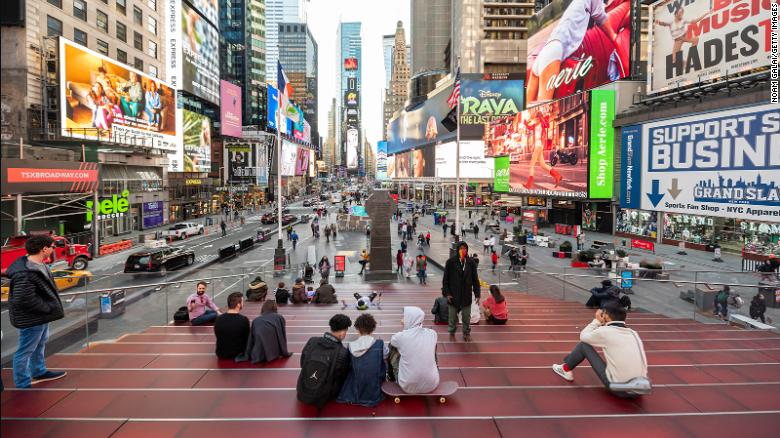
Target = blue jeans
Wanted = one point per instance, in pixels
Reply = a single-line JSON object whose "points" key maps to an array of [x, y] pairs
{"points": [[206, 318], [29, 359]]}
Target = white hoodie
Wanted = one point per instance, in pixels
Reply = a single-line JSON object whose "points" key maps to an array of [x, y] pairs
{"points": [[417, 370], [361, 345]]}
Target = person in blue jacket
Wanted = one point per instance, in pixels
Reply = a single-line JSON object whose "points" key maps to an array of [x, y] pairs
{"points": [[368, 357]]}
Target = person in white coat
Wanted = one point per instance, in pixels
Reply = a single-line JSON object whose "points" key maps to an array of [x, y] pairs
{"points": [[408, 264], [413, 354]]}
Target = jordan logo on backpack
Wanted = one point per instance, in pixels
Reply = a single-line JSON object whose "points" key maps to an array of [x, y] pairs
{"points": [[314, 376]]}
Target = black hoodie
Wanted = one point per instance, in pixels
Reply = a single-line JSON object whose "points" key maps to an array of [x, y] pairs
{"points": [[33, 298]]}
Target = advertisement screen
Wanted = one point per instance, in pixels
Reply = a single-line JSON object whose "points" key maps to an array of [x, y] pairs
{"points": [[473, 163], [381, 161], [501, 175], [120, 104], [350, 64], [488, 97], [402, 165], [200, 54], [152, 213], [424, 161], [421, 125], [702, 40], [273, 106], [196, 129], [547, 147], [230, 109], [722, 163], [289, 158], [602, 144], [44, 176], [262, 164], [576, 45], [352, 147], [302, 162], [312, 164], [241, 163], [390, 166]]}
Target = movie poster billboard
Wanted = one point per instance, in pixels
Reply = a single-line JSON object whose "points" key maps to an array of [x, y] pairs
{"points": [[424, 161], [353, 142], [602, 144], [576, 45], [289, 158], [488, 97], [696, 41], [473, 163], [402, 165], [230, 109], [381, 161], [547, 146], [196, 131], [262, 164], [723, 163], [241, 163], [302, 162], [390, 166], [103, 99], [193, 45]]}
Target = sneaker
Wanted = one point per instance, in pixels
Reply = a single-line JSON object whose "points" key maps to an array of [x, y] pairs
{"points": [[452, 337], [466, 338], [49, 375], [567, 375]]}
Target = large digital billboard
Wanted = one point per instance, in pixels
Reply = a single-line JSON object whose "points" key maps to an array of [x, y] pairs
{"points": [[45, 176], [403, 165], [501, 174], [302, 162], [262, 165], [424, 161], [576, 45], [724, 163], [193, 48], [381, 161], [484, 98], [547, 146], [230, 109], [241, 163], [473, 163], [289, 157], [196, 129], [353, 140], [701, 40], [390, 166], [104, 99], [421, 125], [602, 144]]}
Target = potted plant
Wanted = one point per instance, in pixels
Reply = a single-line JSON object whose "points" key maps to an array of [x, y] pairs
{"points": [[582, 258]]}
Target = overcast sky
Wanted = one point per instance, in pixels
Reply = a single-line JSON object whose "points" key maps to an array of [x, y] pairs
{"points": [[379, 17]]}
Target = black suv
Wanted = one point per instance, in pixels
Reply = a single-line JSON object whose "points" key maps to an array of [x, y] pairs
{"points": [[159, 259]]}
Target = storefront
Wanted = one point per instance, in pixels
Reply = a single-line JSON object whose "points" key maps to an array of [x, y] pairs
{"points": [[565, 212], [640, 223], [136, 185], [597, 216], [191, 194], [732, 235]]}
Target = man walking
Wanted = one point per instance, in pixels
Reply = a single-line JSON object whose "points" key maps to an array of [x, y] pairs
{"points": [[460, 281], [34, 303], [223, 226], [294, 239]]}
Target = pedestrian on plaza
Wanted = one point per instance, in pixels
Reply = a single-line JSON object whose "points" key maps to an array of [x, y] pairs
{"points": [[408, 264], [327, 234], [523, 258], [201, 308], [324, 267], [460, 281], [758, 307], [463, 231], [476, 259], [364, 258], [267, 340], [404, 227], [492, 243], [494, 259], [422, 268], [486, 245], [428, 238], [476, 231], [223, 227], [231, 328], [444, 228], [33, 303], [513, 259], [403, 246], [399, 261], [721, 303], [469, 214], [333, 230]]}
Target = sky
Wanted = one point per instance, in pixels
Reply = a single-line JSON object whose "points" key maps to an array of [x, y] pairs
{"points": [[379, 17]]}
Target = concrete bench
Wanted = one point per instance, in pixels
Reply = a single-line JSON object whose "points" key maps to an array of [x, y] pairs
{"points": [[749, 322]]}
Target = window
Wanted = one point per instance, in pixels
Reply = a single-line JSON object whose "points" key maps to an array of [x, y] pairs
{"points": [[153, 71], [102, 47], [121, 56], [151, 25], [139, 64], [102, 21], [138, 41], [152, 4], [53, 27], [80, 37], [151, 49], [121, 6], [57, 3], [121, 32], [138, 16], [80, 9]]}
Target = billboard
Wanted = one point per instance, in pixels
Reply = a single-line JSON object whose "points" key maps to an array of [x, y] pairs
{"points": [[602, 144], [473, 163], [547, 147], [116, 101], [230, 109], [576, 45], [273, 106], [402, 165], [241, 163], [193, 45], [424, 161], [312, 164], [262, 164], [152, 214], [302, 162], [207, 8], [353, 140], [421, 125], [289, 158], [381, 161], [501, 175], [44, 176], [350, 64], [724, 163], [390, 166], [702, 40], [196, 131], [487, 97]]}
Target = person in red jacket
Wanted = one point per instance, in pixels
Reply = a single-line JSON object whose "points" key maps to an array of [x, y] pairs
{"points": [[494, 307], [494, 260]]}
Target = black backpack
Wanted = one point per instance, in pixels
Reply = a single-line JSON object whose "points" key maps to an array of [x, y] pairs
{"points": [[181, 315], [316, 380]]}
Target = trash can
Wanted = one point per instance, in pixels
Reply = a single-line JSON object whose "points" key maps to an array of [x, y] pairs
{"points": [[770, 291], [112, 304], [705, 300]]}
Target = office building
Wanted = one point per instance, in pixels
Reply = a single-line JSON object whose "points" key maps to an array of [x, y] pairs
{"points": [[398, 91], [349, 47], [278, 11], [298, 55]]}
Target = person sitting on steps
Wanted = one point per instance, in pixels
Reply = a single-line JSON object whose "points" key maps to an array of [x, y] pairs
{"points": [[268, 337], [494, 308], [413, 354], [368, 366]]}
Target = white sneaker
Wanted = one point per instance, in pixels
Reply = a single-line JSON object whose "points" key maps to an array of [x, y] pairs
{"points": [[567, 375]]}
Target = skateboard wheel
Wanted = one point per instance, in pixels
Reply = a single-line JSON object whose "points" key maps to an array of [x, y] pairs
{"points": [[397, 400], [442, 400]]}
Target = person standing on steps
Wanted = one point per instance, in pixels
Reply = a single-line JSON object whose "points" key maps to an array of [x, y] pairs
{"points": [[459, 283]]}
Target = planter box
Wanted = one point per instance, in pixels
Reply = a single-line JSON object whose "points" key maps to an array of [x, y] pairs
{"points": [[561, 255], [576, 264]]}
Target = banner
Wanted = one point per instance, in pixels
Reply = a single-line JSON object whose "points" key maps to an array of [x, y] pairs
{"points": [[696, 41], [101, 98], [302, 162], [262, 164], [152, 214], [230, 109], [501, 175], [44, 176], [484, 98], [473, 163], [602, 144], [630, 166], [724, 163], [241, 163], [196, 129], [390, 166], [289, 157], [381, 161], [570, 50], [547, 147]]}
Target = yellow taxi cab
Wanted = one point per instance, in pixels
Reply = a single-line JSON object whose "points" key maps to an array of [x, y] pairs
{"points": [[63, 278]]}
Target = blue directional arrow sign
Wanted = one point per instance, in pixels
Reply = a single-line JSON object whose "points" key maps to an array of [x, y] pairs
{"points": [[656, 195]]}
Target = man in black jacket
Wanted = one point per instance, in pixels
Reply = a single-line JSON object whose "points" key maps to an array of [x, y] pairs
{"points": [[460, 281], [34, 303], [324, 364]]}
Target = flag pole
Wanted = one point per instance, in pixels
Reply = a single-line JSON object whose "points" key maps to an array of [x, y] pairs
{"points": [[279, 168], [457, 157]]}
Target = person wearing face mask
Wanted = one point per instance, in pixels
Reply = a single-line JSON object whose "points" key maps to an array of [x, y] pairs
{"points": [[459, 283], [200, 306]]}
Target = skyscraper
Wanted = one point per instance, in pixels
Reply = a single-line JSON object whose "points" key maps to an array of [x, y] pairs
{"points": [[398, 91], [388, 42], [430, 35], [298, 55], [278, 11], [349, 47]]}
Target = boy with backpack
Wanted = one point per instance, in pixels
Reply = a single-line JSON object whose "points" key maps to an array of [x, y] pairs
{"points": [[324, 364]]}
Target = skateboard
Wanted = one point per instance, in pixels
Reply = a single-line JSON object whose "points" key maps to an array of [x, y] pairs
{"points": [[444, 390]]}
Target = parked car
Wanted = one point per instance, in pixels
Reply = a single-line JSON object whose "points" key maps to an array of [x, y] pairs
{"points": [[288, 219], [308, 203], [268, 218], [183, 230], [159, 260], [63, 278]]}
